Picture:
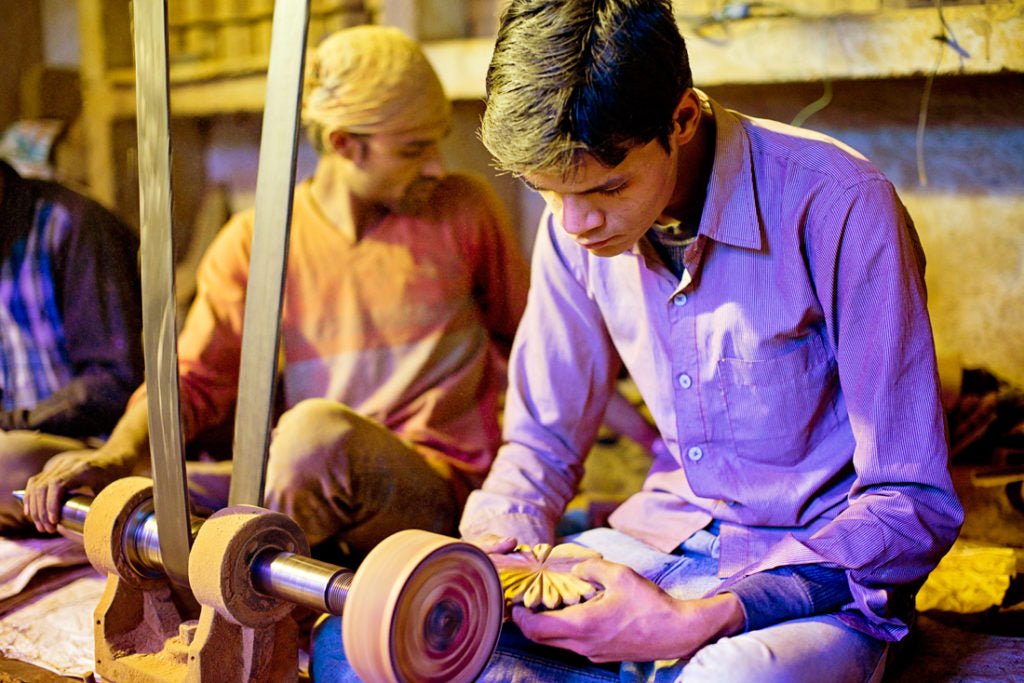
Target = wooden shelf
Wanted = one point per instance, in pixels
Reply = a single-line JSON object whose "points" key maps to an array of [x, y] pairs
{"points": [[888, 43], [198, 89], [218, 54]]}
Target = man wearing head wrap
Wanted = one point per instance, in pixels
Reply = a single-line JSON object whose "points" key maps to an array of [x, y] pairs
{"points": [[404, 287]]}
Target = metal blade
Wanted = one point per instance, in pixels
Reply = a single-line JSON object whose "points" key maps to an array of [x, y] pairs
{"points": [[275, 182], [159, 332]]}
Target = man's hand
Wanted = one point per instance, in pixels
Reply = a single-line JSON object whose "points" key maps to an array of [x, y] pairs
{"points": [[631, 619], [65, 472], [493, 544]]}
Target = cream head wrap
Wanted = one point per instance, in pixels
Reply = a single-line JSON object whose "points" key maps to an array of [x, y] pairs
{"points": [[372, 79]]}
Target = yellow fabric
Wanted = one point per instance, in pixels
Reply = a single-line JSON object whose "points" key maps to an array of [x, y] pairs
{"points": [[971, 578], [408, 326], [373, 79]]}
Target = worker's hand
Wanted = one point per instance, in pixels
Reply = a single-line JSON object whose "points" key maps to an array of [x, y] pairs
{"points": [[493, 544], [631, 619], [66, 472]]}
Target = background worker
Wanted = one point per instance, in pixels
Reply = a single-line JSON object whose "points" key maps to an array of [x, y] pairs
{"points": [[403, 289], [70, 327]]}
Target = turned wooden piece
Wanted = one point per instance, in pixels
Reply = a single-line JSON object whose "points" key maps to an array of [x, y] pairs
{"points": [[541, 575]]}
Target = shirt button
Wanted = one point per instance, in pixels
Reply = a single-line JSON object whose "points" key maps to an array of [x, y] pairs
{"points": [[695, 453], [679, 299], [685, 381]]}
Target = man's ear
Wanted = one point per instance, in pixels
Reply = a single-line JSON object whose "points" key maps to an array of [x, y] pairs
{"points": [[687, 116], [347, 145]]}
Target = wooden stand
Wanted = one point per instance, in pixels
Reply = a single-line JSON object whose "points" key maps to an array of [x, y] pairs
{"points": [[147, 630]]}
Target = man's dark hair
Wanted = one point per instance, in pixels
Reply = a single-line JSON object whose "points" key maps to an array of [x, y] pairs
{"points": [[572, 77]]}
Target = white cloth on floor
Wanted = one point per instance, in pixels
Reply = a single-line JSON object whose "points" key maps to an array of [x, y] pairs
{"points": [[47, 616]]}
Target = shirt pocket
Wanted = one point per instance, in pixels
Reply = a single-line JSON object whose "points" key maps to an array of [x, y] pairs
{"points": [[779, 409]]}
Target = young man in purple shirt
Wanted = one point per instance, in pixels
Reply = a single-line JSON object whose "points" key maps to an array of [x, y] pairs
{"points": [[763, 286]]}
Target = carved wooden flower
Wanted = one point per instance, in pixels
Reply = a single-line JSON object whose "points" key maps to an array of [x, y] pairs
{"points": [[541, 575]]}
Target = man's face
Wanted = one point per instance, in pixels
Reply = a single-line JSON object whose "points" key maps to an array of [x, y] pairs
{"points": [[606, 210], [399, 171]]}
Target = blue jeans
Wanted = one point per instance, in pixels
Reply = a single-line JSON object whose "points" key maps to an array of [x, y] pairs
{"points": [[804, 650]]}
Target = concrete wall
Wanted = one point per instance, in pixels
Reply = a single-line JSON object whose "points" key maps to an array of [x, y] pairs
{"points": [[969, 210]]}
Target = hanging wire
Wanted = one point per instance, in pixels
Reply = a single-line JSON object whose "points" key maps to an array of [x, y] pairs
{"points": [[945, 39], [922, 122], [815, 106], [826, 97]]}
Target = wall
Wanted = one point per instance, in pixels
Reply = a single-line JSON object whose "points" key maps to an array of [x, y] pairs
{"points": [[969, 210], [38, 74], [20, 40], [60, 39]]}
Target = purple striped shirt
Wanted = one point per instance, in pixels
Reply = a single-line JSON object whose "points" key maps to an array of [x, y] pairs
{"points": [[791, 372]]}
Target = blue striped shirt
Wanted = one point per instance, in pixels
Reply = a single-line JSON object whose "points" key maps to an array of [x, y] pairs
{"points": [[34, 359], [70, 310]]}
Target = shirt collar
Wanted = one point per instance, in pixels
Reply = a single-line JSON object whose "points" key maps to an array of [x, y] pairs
{"points": [[730, 209]]}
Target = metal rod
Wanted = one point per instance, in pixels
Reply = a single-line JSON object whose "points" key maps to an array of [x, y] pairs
{"points": [[142, 542], [294, 578], [72, 513], [302, 580]]}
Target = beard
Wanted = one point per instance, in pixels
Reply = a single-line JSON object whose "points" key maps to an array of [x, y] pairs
{"points": [[416, 196]]}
